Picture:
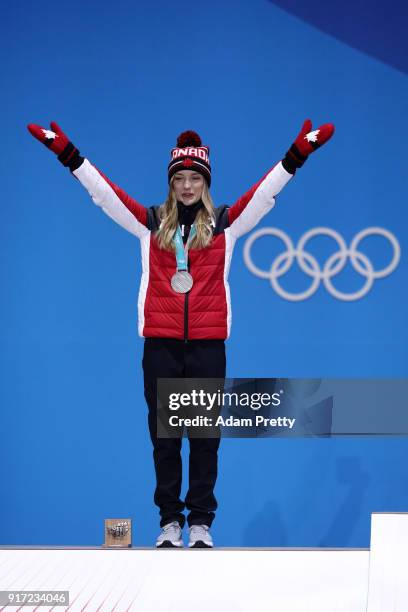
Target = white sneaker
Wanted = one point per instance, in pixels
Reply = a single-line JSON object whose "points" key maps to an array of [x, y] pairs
{"points": [[170, 536], [200, 537]]}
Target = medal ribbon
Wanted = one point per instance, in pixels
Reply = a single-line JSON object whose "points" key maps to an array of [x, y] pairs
{"points": [[181, 249]]}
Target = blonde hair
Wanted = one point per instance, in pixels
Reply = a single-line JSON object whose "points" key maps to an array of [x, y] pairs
{"points": [[168, 214]]}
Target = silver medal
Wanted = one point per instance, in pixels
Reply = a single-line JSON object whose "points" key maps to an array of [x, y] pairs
{"points": [[181, 281]]}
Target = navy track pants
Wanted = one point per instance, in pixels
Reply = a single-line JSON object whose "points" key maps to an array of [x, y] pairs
{"points": [[168, 358]]}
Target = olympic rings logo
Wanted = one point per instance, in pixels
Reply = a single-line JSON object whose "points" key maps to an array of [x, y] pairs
{"points": [[334, 264]]}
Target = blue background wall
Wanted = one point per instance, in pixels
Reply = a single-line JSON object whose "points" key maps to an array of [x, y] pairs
{"points": [[123, 80]]}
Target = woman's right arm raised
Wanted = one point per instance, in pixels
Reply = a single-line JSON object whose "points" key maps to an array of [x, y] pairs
{"points": [[123, 209]]}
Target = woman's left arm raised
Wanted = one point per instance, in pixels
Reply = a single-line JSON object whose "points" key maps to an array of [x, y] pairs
{"points": [[249, 209]]}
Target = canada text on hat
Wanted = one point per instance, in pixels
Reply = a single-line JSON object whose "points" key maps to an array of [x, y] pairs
{"points": [[201, 152]]}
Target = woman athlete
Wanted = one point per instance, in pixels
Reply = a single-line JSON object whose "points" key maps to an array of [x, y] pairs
{"points": [[184, 299]]}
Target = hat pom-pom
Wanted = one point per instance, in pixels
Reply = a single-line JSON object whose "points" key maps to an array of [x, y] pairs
{"points": [[189, 139]]}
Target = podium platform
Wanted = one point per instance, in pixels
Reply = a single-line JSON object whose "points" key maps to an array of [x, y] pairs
{"points": [[388, 578], [221, 579]]}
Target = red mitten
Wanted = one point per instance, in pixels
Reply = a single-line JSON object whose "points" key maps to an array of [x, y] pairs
{"points": [[57, 141], [306, 142]]}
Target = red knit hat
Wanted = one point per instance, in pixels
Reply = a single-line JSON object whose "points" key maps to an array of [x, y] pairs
{"points": [[190, 154]]}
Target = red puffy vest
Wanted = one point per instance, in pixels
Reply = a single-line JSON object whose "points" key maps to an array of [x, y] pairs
{"points": [[205, 311]]}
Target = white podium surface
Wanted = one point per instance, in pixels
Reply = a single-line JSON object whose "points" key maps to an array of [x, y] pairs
{"points": [[388, 582], [218, 580]]}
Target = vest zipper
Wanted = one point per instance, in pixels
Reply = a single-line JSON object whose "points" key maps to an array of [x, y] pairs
{"points": [[186, 318]]}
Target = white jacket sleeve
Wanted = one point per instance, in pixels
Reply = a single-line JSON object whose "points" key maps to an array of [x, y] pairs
{"points": [[115, 202]]}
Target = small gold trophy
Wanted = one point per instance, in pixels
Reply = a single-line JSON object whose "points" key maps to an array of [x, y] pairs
{"points": [[118, 533]]}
